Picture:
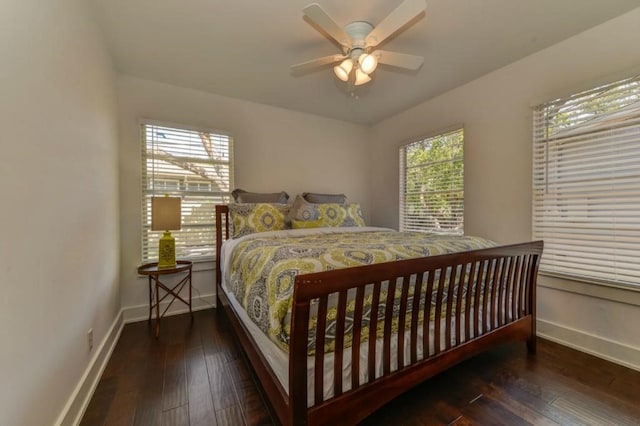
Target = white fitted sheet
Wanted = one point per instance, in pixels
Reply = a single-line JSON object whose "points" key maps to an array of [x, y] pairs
{"points": [[278, 359]]}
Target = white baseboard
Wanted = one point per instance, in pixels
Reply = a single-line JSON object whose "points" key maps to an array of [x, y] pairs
{"points": [[610, 350], [141, 312], [79, 399], [81, 396]]}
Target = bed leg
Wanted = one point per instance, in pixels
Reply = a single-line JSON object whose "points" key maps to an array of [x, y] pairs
{"points": [[531, 345], [219, 308]]}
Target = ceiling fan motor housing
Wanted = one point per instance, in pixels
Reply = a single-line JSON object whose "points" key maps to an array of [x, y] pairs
{"points": [[358, 31]]}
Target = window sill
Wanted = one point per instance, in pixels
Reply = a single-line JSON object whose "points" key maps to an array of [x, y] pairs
{"points": [[612, 292], [204, 265]]}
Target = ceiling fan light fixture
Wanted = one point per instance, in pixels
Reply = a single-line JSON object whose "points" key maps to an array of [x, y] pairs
{"points": [[359, 41], [361, 77], [368, 63], [343, 70]]}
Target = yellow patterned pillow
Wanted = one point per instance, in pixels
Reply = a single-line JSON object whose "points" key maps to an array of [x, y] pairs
{"points": [[261, 217], [336, 215], [301, 224]]}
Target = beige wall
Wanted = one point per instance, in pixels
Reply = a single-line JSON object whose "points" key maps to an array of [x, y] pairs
{"points": [[59, 215], [496, 113], [274, 150]]}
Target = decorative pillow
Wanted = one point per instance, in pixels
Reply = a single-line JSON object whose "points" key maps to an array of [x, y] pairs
{"points": [[303, 210], [324, 198], [338, 215], [242, 196], [261, 217], [303, 224]]}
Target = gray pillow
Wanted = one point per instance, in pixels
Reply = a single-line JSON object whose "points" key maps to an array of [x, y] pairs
{"points": [[242, 196], [302, 210], [324, 198]]}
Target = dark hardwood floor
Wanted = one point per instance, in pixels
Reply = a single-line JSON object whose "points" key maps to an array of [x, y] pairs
{"points": [[193, 374]]}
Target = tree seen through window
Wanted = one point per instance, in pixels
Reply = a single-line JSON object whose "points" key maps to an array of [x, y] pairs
{"points": [[432, 184]]}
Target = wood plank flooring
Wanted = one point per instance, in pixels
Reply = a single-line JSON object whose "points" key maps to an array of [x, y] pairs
{"points": [[194, 374]]}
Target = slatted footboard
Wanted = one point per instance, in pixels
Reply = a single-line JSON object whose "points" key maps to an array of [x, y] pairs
{"points": [[476, 299]]}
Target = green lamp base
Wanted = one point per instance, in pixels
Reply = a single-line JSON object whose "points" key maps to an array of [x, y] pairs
{"points": [[167, 251]]}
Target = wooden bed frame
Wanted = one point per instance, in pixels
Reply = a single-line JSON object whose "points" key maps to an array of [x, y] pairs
{"points": [[511, 299]]}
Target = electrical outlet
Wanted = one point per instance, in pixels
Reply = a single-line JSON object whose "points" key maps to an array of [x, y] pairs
{"points": [[90, 339]]}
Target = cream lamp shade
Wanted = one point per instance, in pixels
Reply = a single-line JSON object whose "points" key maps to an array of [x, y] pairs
{"points": [[361, 77], [165, 213], [343, 70], [368, 63]]}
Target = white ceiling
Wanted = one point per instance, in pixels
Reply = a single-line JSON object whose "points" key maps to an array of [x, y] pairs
{"points": [[243, 48]]}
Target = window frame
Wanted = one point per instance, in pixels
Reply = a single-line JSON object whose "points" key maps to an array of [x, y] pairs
{"points": [[410, 225], [588, 127], [179, 185]]}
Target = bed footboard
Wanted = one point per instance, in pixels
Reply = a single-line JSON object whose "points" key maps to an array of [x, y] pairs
{"points": [[427, 314]]}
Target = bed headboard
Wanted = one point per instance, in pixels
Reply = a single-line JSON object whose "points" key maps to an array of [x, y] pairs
{"points": [[222, 222]]}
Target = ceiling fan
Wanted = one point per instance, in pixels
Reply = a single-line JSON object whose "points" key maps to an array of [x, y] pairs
{"points": [[359, 41]]}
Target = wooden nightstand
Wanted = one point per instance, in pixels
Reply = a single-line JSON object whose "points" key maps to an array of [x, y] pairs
{"points": [[155, 285]]}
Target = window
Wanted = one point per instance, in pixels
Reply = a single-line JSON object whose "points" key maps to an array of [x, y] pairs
{"points": [[192, 164], [586, 184], [432, 184]]}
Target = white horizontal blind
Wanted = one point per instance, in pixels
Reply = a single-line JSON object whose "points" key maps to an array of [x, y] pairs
{"points": [[432, 184], [196, 166], [586, 183]]}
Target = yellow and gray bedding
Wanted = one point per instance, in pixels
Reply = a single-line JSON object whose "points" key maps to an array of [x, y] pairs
{"points": [[261, 267]]}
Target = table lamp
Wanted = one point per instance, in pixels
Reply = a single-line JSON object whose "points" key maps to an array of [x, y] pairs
{"points": [[165, 216]]}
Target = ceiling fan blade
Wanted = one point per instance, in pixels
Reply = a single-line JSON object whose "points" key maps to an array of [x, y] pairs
{"points": [[400, 16], [401, 60], [315, 63], [318, 16]]}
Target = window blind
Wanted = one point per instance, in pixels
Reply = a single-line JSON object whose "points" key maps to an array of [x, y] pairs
{"points": [[196, 166], [586, 183], [432, 184]]}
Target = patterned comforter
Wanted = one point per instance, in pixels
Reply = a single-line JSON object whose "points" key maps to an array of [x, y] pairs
{"points": [[261, 268]]}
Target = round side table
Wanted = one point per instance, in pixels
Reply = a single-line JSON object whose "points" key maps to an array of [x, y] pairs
{"points": [[173, 292]]}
